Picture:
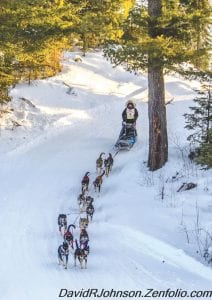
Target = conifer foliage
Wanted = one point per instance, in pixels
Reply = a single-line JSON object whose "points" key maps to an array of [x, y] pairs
{"points": [[34, 33], [32, 37], [161, 36], [101, 20], [199, 121]]}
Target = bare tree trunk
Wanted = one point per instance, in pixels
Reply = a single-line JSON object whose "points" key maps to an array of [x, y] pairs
{"points": [[158, 141], [84, 46]]}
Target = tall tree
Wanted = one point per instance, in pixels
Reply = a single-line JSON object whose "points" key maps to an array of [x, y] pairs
{"points": [[159, 37], [158, 141]]}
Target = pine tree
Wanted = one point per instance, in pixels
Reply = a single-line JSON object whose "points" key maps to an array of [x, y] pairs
{"points": [[100, 20], [159, 38], [205, 151], [200, 122], [32, 36]]}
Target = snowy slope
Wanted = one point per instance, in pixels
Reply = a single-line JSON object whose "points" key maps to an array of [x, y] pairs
{"points": [[137, 240]]}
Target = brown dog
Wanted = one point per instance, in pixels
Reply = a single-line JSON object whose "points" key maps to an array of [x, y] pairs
{"points": [[98, 182], [83, 223]]}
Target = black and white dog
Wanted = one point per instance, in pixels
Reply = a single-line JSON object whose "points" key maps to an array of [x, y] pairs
{"points": [[90, 211], [63, 253], [89, 200], [81, 253], [82, 201]]}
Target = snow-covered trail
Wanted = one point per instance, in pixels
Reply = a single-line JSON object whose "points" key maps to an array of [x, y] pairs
{"points": [[41, 179]]}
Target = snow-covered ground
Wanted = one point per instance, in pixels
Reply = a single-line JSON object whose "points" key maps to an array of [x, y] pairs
{"points": [[138, 240]]}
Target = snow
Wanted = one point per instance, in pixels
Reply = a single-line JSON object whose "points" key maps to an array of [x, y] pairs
{"points": [[137, 239]]}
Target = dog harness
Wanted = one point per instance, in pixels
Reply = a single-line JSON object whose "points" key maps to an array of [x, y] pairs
{"points": [[68, 236], [85, 180]]}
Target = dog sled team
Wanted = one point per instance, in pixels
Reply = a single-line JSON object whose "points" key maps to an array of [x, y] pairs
{"points": [[80, 250]]}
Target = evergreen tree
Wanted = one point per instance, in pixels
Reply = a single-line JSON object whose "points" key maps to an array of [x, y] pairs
{"points": [[101, 20], [205, 151], [200, 122], [32, 37], [159, 37]]}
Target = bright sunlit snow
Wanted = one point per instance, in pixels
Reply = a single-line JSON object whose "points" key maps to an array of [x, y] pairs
{"points": [[137, 239]]}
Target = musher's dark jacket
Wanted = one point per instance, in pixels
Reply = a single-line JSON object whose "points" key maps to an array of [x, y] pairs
{"points": [[129, 121]]}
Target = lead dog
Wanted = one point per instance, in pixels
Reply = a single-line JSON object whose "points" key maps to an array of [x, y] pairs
{"points": [[81, 253], [63, 254]]}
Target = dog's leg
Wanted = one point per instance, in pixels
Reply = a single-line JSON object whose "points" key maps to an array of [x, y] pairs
{"points": [[61, 230], [62, 262], [85, 262], [80, 260], [59, 261], [66, 262]]}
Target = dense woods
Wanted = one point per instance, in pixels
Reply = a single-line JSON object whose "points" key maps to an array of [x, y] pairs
{"points": [[34, 33]]}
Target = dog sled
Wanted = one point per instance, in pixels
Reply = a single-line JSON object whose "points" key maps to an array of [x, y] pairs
{"points": [[127, 137]]}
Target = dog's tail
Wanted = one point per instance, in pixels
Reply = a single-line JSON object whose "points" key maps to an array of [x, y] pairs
{"points": [[102, 174], [101, 154], [76, 243]]}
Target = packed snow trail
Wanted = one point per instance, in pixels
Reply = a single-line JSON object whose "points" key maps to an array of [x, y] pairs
{"points": [[41, 178]]}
